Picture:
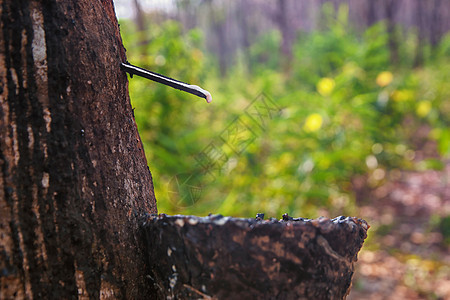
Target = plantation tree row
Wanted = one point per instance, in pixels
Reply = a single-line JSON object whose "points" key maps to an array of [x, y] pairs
{"points": [[233, 26]]}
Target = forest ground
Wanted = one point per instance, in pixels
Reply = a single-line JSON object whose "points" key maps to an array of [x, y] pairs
{"points": [[408, 255]]}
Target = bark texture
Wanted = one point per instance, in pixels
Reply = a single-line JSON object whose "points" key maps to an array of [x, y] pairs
{"points": [[73, 175], [226, 258]]}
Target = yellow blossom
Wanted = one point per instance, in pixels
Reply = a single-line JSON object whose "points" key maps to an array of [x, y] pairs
{"points": [[313, 122], [384, 78], [423, 108], [325, 86], [402, 95]]}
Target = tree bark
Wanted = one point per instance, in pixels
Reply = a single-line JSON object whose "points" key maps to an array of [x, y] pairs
{"points": [[219, 257], [73, 175]]}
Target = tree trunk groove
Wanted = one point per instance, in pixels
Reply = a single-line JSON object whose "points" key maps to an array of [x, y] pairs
{"points": [[73, 176]]}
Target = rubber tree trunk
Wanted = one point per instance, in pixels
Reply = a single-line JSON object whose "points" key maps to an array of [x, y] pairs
{"points": [[73, 175], [219, 257]]}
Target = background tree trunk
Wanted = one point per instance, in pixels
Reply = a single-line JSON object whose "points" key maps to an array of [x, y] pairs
{"points": [[73, 175], [283, 21], [421, 23], [390, 8], [139, 16]]}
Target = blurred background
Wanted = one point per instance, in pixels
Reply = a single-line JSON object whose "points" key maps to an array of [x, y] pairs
{"points": [[320, 108]]}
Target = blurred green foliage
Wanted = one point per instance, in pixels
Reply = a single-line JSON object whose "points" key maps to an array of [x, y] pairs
{"points": [[344, 110]]}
